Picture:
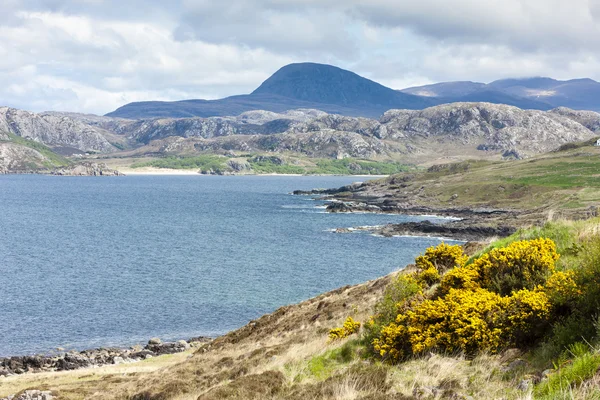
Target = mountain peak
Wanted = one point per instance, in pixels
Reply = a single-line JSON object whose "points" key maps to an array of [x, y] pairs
{"points": [[328, 84]]}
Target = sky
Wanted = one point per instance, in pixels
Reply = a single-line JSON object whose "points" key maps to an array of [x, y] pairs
{"points": [[93, 56]]}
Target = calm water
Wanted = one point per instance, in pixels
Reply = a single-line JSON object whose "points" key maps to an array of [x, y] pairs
{"points": [[88, 262]]}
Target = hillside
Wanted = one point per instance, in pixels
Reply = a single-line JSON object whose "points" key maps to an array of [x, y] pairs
{"points": [[55, 131], [490, 198], [437, 134], [19, 155], [546, 348], [299, 140]]}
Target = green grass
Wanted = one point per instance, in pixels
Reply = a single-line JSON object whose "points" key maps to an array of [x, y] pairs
{"points": [[54, 160], [268, 166], [271, 165], [203, 162], [560, 384], [350, 166], [324, 365]]}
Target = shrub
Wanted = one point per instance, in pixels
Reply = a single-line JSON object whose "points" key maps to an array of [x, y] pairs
{"points": [[528, 314], [441, 258], [521, 265], [507, 297], [459, 278], [350, 326], [561, 288], [401, 288]]}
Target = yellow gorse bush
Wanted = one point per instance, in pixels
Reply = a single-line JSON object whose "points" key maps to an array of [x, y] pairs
{"points": [[441, 258], [350, 326], [505, 297], [523, 264]]}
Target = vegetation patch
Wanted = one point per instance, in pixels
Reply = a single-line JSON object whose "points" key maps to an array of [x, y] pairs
{"points": [[202, 162], [54, 160]]}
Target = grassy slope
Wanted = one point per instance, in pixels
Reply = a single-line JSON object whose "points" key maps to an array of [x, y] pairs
{"points": [[286, 355], [565, 180], [290, 165], [53, 160]]}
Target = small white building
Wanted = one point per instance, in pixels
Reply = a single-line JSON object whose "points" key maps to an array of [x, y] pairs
{"points": [[597, 142]]}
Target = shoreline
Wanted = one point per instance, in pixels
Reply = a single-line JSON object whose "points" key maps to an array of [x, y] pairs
{"points": [[64, 360]]}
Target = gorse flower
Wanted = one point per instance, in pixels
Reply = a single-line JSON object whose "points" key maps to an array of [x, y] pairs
{"points": [[504, 298], [350, 326]]}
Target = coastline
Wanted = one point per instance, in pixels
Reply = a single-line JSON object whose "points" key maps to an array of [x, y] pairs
{"points": [[151, 171], [63, 360]]}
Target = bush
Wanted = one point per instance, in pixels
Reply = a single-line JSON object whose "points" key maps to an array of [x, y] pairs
{"points": [[463, 320], [442, 258], [350, 326], [507, 297], [521, 265]]}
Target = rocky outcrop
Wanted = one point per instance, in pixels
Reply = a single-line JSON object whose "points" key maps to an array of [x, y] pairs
{"points": [[31, 394], [87, 169], [491, 129], [54, 130], [248, 123], [16, 158], [589, 119], [96, 357], [494, 127]]}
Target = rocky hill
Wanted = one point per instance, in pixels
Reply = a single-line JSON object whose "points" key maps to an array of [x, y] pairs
{"points": [[479, 130], [589, 119], [456, 131], [55, 130], [15, 158]]}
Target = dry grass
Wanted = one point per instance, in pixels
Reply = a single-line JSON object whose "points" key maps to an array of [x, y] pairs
{"points": [[73, 384]]}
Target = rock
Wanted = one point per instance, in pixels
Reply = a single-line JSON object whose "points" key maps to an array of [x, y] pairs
{"points": [[515, 365], [546, 373], [239, 166], [87, 169], [524, 385], [154, 341], [183, 344], [343, 230], [31, 395], [118, 360]]}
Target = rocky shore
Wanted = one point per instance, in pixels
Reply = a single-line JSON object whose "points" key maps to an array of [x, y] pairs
{"points": [[64, 361], [86, 169], [467, 224]]}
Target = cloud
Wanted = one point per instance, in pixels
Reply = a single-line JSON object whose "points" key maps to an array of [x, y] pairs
{"points": [[96, 55]]}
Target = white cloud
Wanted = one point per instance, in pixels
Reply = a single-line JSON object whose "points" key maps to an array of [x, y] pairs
{"points": [[96, 55]]}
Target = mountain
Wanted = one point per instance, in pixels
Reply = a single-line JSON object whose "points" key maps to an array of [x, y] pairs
{"points": [[535, 93], [304, 85], [56, 131], [459, 130]]}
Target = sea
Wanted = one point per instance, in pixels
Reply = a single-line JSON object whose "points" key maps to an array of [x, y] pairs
{"points": [[89, 262]]}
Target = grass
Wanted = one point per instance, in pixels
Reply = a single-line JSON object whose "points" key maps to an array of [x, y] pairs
{"points": [[279, 165], [566, 182], [560, 384], [202, 162]]}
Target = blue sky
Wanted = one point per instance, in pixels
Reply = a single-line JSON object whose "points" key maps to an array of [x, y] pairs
{"points": [[96, 55]]}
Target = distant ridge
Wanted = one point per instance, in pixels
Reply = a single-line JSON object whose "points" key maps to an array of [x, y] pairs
{"points": [[536, 92], [303, 85], [338, 91]]}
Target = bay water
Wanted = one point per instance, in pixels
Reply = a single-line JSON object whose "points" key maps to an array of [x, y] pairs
{"points": [[91, 262]]}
